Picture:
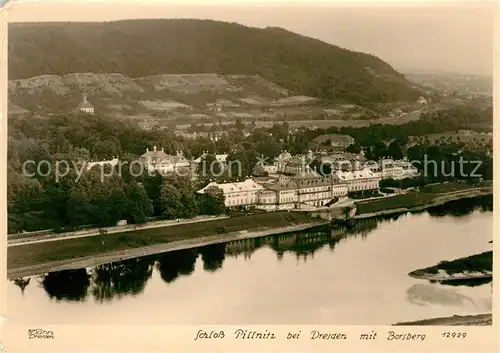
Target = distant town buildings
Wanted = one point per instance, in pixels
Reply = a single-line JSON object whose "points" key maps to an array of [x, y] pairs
{"points": [[148, 124], [421, 100], [347, 107], [85, 106], [397, 112], [220, 104]]}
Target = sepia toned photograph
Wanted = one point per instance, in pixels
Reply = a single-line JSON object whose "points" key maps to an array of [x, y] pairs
{"points": [[280, 164]]}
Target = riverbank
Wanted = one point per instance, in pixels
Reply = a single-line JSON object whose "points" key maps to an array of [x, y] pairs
{"points": [[33, 259], [33, 237], [414, 202], [473, 267], [456, 320]]}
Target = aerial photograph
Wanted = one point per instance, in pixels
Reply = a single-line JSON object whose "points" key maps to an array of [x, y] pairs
{"points": [[269, 164]]}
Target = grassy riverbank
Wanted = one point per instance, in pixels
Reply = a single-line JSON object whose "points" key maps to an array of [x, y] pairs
{"points": [[40, 253], [416, 200], [476, 266], [456, 320]]}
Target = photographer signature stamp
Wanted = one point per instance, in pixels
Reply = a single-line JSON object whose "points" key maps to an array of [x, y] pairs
{"points": [[40, 334]]}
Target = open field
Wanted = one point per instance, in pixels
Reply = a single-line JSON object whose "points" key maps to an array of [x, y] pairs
{"points": [[444, 187], [410, 199], [341, 123], [327, 123], [27, 255]]}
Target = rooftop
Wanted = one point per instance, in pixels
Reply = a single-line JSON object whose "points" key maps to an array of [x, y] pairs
{"points": [[355, 175], [246, 185], [218, 157], [156, 154]]}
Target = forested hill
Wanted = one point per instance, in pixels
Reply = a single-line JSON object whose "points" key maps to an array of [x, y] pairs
{"points": [[138, 48]]}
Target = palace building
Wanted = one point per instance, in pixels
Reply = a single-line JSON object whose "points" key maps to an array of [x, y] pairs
{"points": [[164, 163], [390, 169], [242, 193], [296, 185], [359, 180]]}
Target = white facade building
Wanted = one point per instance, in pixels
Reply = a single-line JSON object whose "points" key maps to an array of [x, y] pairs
{"points": [[422, 100], [359, 180], [283, 194], [220, 158], [164, 163], [390, 169], [85, 106], [237, 194], [270, 169], [112, 162]]}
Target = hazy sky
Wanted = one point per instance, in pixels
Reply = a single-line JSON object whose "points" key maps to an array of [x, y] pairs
{"points": [[451, 37]]}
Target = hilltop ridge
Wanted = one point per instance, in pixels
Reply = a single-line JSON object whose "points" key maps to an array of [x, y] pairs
{"points": [[144, 48]]}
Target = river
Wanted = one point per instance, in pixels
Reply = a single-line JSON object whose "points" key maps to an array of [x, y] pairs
{"points": [[329, 275]]}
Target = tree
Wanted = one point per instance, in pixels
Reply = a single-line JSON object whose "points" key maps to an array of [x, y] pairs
{"points": [[354, 148], [211, 202], [209, 167], [395, 151], [239, 125], [170, 200], [67, 284], [189, 203], [152, 186], [138, 207]]}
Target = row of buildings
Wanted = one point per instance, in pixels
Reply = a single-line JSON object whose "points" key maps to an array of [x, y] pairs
{"points": [[290, 182], [310, 164], [295, 192]]}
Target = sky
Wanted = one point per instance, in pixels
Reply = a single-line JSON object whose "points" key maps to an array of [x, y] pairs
{"points": [[451, 36]]}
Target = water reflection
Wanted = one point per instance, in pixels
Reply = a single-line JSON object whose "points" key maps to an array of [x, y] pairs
{"points": [[213, 256], [467, 282], [176, 263], [424, 294], [128, 278], [122, 278], [22, 283], [70, 285], [463, 207]]}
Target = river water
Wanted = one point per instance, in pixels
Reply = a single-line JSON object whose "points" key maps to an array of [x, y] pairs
{"points": [[337, 276]]}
